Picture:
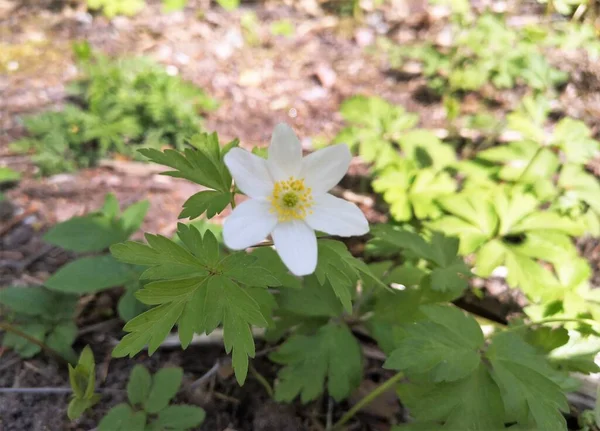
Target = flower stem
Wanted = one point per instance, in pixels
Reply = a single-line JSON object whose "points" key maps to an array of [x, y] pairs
{"points": [[5, 326], [368, 399], [233, 196]]}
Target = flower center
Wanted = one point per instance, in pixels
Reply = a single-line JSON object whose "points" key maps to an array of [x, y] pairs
{"points": [[291, 199]]}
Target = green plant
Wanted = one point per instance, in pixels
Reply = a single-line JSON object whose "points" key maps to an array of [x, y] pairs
{"points": [[452, 375], [125, 103], [96, 232], [486, 51], [35, 313], [149, 407], [82, 379], [8, 175], [411, 166]]}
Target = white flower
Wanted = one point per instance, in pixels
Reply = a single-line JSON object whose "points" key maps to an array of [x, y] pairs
{"points": [[289, 199]]}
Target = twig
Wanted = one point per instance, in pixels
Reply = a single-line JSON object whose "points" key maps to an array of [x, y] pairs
{"points": [[368, 399], [209, 373], [10, 328], [97, 326], [329, 423]]}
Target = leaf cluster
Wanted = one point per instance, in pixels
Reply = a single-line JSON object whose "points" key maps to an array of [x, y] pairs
{"points": [[94, 233], [481, 52], [149, 407], [122, 104], [41, 314]]}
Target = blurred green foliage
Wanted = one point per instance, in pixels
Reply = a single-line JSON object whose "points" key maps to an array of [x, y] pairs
{"points": [[121, 105], [482, 52]]}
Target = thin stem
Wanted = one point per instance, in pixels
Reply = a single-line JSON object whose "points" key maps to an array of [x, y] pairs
{"points": [[10, 328], [233, 197], [554, 320], [265, 384], [368, 399]]}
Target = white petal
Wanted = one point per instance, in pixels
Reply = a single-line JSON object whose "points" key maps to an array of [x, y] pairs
{"points": [[325, 168], [250, 173], [336, 216], [285, 153], [296, 244], [249, 223]]}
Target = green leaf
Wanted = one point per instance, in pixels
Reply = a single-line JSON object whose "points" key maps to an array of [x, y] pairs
{"points": [[133, 216], [91, 274], [195, 289], [85, 234], [268, 259], [331, 353], [61, 337], [243, 268], [333, 267], [78, 406], [24, 348], [472, 403], [530, 396], [165, 384], [445, 347], [138, 387], [8, 175], [202, 165], [32, 301], [312, 299], [122, 418], [228, 303], [180, 417], [341, 270], [151, 328], [211, 202]]}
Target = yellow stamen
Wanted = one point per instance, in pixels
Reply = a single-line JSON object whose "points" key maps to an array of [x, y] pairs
{"points": [[291, 199]]}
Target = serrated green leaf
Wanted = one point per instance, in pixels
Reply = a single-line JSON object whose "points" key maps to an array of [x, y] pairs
{"points": [[165, 384], [530, 396], [196, 290], [91, 274], [138, 386], [180, 417], [202, 165], [267, 258], [243, 268], [312, 299], [149, 328], [469, 404], [445, 347], [331, 353], [211, 202]]}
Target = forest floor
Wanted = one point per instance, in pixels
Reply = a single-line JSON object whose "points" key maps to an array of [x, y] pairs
{"points": [[301, 79]]}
